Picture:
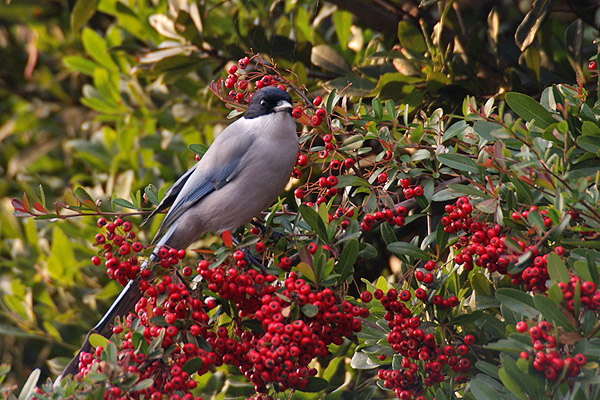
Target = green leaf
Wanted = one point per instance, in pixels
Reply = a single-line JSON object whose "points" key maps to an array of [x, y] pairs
{"points": [[198, 148], [353, 86], [523, 191], [307, 271], [490, 130], [529, 109], [61, 263], [80, 64], [552, 312], [465, 319], [402, 249], [326, 57], [509, 345], [82, 195], [387, 233], [557, 269], [315, 384], [97, 340], [111, 352], [108, 86], [96, 47], [309, 310], [480, 284], [482, 391], [124, 203], [361, 360], [82, 12], [535, 219], [313, 219], [192, 365], [468, 190], [458, 161], [526, 31], [351, 180], [151, 194], [510, 384], [487, 368], [583, 270], [30, 385], [146, 383], [454, 130], [139, 342], [342, 20], [377, 107], [518, 301], [354, 142], [346, 260], [589, 143], [410, 37], [515, 375]]}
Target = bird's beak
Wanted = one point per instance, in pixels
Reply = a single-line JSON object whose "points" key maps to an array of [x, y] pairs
{"points": [[282, 105]]}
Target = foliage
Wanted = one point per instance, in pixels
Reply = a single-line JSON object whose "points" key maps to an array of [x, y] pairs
{"points": [[447, 219]]}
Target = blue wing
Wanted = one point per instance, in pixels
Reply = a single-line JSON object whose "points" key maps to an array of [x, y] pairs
{"points": [[171, 194], [219, 166]]}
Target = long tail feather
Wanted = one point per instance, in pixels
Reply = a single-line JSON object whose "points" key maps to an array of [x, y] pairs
{"points": [[124, 303]]}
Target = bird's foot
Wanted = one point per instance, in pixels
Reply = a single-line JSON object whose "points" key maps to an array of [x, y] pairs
{"points": [[252, 259], [272, 235]]}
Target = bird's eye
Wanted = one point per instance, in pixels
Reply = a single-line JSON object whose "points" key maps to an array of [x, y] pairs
{"points": [[263, 102]]}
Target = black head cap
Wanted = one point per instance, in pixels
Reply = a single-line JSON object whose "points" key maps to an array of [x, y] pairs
{"points": [[268, 100]]}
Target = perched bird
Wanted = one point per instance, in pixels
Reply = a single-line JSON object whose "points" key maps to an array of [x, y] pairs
{"points": [[240, 175]]}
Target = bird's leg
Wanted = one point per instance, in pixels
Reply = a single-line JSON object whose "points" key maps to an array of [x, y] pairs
{"points": [[249, 257], [273, 235], [252, 259]]}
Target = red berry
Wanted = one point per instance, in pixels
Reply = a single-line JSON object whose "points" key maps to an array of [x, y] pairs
{"points": [[243, 62], [297, 112], [579, 359], [366, 296], [302, 160], [522, 326], [382, 177], [317, 101], [592, 65], [232, 70], [315, 120], [469, 340]]}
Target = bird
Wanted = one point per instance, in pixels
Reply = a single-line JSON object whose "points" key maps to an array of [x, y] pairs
{"points": [[243, 171]]}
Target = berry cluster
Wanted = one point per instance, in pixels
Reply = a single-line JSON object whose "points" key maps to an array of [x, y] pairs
{"points": [[424, 362], [589, 294], [297, 323], [239, 84], [486, 247], [280, 354], [550, 357], [176, 324], [317, 116], [120, 251], [395, 217], [408, 191]]}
